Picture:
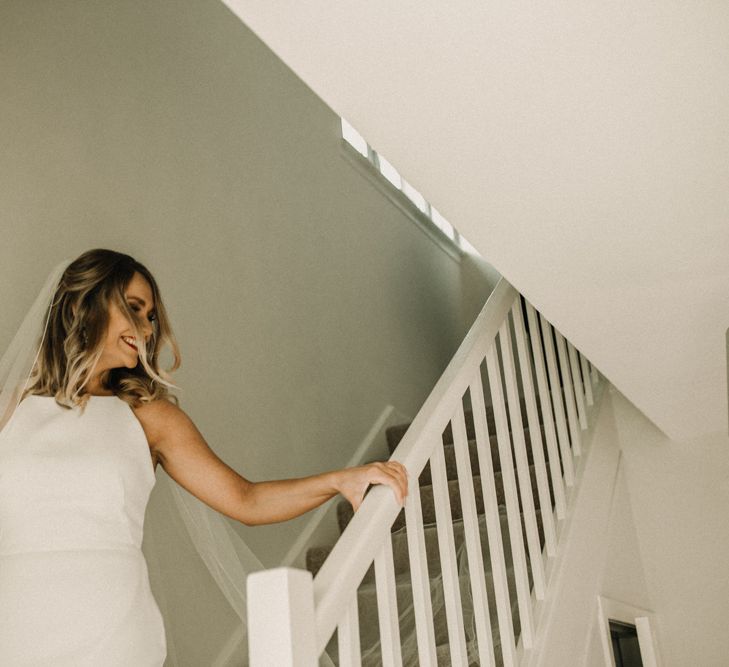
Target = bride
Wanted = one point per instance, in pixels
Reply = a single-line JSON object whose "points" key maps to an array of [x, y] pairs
{"points": [[86, 416]]}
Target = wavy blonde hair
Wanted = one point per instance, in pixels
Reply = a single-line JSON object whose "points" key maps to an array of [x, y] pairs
{"points": [[76, 334]]}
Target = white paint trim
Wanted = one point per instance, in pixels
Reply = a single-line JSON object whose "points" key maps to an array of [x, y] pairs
{"points": [[644, 620]]}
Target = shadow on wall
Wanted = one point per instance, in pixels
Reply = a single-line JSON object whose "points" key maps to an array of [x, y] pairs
{"points": [[478, 280]]}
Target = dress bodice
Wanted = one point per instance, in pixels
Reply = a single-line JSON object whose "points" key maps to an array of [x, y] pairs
{"points": [[73, 481]]}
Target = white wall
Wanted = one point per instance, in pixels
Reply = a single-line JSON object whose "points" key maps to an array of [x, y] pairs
{"points": [[680, 499]]}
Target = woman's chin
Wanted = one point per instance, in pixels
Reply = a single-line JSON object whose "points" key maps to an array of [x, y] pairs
{"points": [[132, 360]]}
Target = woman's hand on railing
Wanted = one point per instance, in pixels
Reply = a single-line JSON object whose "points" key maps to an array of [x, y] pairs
{"points": [[352, 483]]}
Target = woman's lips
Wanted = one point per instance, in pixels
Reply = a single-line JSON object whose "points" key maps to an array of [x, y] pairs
{"points": [[130, 345]]}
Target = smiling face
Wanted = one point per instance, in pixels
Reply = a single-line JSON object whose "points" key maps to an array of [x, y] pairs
{"points": [[102, 298], [117, 352]]}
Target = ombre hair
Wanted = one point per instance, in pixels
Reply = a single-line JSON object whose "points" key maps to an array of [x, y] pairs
{"points": [[76, 334]]}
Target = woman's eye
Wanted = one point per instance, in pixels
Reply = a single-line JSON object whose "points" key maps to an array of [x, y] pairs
{"points": [[152, 317]]}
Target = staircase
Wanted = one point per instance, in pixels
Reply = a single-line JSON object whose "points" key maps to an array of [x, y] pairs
{"points": [[367, 600], [461, 575]]}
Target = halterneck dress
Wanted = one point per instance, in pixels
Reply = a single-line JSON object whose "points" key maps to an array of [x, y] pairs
{"points": [[74, 584]]}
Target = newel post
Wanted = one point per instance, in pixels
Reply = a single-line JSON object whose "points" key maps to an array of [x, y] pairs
{"points": [[281, 623]]}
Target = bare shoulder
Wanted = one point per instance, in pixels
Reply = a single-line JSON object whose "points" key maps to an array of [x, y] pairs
{"points": [[158, 418]]}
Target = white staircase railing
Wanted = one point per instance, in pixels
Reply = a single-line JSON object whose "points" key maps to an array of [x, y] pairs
{"points": [[292, 616]]}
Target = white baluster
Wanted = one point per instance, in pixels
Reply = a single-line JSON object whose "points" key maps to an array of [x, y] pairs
{"points": [[493, 522], [523, 594], [281, 622], [447, 550], [448, 564], [422, 603], [558, 402], [535, 430], [586, 379], [348, 637], [473, 540], [545, 401], [577, 379], [522, 463], [594, 373], [387, 606], [569, 395]]}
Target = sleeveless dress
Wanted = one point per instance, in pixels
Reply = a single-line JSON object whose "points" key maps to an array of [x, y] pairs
{"points": [[74, 585]]}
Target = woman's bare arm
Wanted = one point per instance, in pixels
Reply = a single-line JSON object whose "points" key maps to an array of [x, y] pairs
{"points": [[189, 460]]}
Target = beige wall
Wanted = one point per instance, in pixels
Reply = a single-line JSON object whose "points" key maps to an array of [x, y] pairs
{"points": [[600, 554], [304, 301], [680, 499], [662, 546]]}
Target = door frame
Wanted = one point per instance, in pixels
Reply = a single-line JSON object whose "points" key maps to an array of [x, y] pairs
{"points": [[644, 620]]}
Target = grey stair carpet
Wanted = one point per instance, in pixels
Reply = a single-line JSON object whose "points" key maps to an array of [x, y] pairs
{"points": [[367, 599], [395, 433]]}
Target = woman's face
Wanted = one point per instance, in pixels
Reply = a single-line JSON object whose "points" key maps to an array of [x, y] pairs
{"points": [[117, 352]]}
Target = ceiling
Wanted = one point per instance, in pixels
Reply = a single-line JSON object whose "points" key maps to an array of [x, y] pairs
{"points": [[581, 147]]}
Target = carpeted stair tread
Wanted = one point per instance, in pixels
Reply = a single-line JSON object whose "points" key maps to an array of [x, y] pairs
{"points": [[369, 630], [401, 559], [443, 655], [395, 433], [368, 613], [450, 457], [345, 511]]}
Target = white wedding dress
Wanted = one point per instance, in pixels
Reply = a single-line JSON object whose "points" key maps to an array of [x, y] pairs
{"points": [[74, 585]]}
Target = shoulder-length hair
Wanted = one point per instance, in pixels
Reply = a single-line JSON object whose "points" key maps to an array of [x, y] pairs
{"points": [[77, 328]]}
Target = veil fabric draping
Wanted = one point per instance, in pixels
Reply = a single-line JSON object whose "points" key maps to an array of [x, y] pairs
{"points": [[197, 562]]}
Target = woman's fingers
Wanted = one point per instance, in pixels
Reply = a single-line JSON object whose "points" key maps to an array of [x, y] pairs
{"points": [[358, 479], [402, 473], [394, 474]]}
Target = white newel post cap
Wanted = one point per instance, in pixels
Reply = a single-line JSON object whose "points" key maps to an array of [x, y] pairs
{"points": [[281, 622]]}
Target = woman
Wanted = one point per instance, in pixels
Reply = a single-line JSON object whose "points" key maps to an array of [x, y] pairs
{"points": [[77, 462]]}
